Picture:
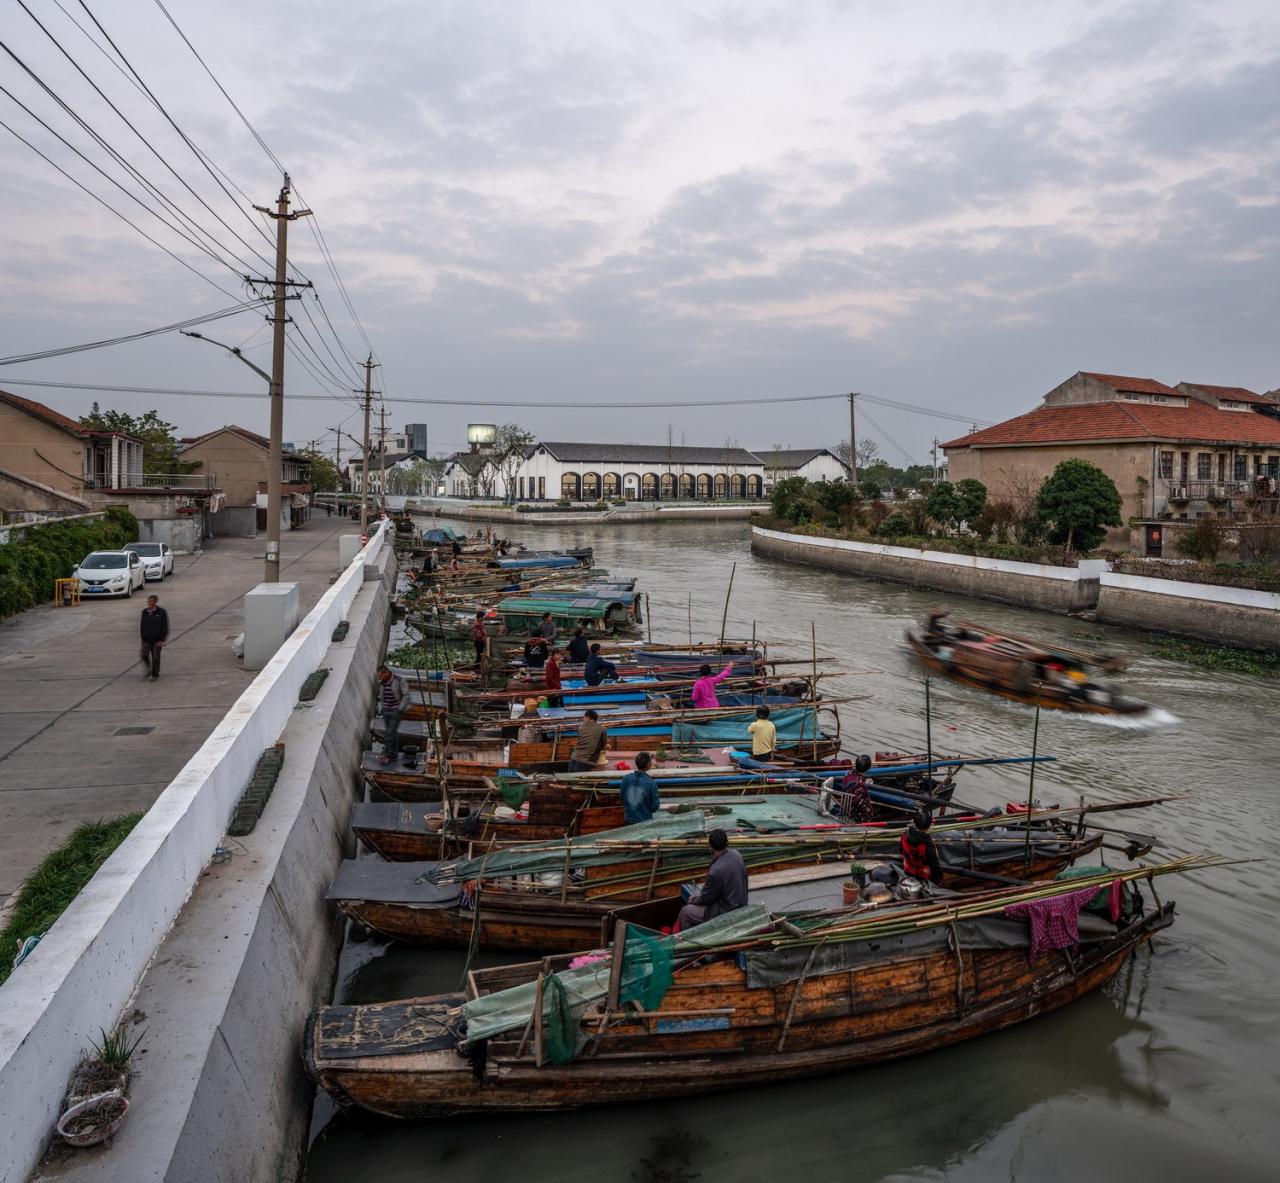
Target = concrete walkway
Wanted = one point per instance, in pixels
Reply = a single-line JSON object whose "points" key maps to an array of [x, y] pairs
{"points": [[71, 683]]}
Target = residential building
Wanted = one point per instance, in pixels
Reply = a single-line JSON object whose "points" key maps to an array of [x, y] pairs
{"points": [[239, 457], [814, 464], [1175, 454], [50, 465]]}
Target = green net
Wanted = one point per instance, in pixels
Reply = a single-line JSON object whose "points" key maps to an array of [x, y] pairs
{"points": [[513, 790], [1100, 905], [646, 968], [561, 1023]]}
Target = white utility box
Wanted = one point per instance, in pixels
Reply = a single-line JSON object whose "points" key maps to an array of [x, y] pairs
{"points": [[271, 613]]}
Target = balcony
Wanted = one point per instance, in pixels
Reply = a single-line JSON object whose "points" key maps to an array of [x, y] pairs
{"points": [[1224, 496]]}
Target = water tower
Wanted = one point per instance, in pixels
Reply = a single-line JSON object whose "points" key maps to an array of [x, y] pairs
{"points": [[481, 436]]}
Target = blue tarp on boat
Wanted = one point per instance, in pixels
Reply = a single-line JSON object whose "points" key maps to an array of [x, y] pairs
{"points": [[794, 725], [439, 535], [538, 561]]}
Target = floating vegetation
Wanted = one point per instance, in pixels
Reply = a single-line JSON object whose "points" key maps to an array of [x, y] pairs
{"points": [[1219, 657], [432, 655]]}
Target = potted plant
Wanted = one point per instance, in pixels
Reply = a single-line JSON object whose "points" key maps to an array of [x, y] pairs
{"points": [[95, 1104]]}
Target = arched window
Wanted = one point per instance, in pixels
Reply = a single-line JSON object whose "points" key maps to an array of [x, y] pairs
{"points": [[591, 486], [571, 486], [631, 486], [649, 486], [704, 486], [686, 485], [755, 486], [668, 485], [737, 485], [722, 486], [612, 485]]}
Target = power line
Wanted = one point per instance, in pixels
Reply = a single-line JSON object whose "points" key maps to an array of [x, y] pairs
{"points": [[887, 437], [206, 318]]}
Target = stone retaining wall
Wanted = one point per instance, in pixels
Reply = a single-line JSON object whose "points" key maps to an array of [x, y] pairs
{"points": [[1222, 615]]}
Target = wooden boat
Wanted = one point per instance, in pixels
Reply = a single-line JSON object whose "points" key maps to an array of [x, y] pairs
{"points": [[580, 888], [747, 998], [1016, 669]]}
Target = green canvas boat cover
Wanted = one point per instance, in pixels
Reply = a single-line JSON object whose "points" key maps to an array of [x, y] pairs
{"points": [[583, 608], [760, 815], [795, 725], [646, 974]]}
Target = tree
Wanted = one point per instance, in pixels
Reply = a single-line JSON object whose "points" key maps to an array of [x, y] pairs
{"points": [[509, 446], [970, 496], [790, 499], [1077, 503], [869, 489], [159, 444], [943, 505], [868, 450], [324, 473]]}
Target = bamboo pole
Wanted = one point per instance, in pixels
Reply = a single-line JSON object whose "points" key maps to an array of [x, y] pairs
{"points": [[813, 637], [928, 722], [724, 619], [1031, 785], [690, 611]]}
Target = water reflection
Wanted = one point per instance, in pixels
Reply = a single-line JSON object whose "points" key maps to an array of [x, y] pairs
{"points": [[1168, 1074]]}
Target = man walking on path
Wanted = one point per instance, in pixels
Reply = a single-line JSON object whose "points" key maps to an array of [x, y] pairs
{"points": [[154, 632], [393, 701]]}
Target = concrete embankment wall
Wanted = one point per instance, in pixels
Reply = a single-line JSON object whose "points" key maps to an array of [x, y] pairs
{"points": [[1223, 615], [613, 516], [1031, 585], [85, 971]]}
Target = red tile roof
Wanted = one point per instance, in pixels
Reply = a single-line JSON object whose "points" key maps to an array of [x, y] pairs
{"points": [[1235, 393], [1119, 382], [40, 411], [1103, 422]]}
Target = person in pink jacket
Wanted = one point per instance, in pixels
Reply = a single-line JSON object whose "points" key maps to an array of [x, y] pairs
{"points": [[704, 689]]}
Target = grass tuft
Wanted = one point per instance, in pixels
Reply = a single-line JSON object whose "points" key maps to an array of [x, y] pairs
{"points": [[58, 880]]}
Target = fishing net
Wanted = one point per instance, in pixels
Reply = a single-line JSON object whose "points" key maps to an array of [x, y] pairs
{"points": [[646, 968], [561, 1022], [514, 791]]}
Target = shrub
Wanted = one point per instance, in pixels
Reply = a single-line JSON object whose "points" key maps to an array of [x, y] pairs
{"points": [[37, 557], [1204, 541], [1077, 503]]}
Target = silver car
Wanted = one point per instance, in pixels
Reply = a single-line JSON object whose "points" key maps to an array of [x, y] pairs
{"points": [[110, 573], [157, 558]]}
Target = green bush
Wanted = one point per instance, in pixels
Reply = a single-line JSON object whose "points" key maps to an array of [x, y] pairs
{"points": [[35, 558]]}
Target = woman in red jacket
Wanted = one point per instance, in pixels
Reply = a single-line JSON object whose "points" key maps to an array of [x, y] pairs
{"points": [[551, 678]]}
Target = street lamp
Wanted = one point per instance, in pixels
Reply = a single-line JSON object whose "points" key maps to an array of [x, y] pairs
{"points": [[274, 473]]}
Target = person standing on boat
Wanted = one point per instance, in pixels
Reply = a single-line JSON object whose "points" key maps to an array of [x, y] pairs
{"points": [[764, 735], [393, 701], [725, 888], [589, 746], [704, 689], [919, 854], [535, 651], [479, 636], [547, 628], [598, 669], [579, 648], [858, 806], [640, 792], [551, 678]]}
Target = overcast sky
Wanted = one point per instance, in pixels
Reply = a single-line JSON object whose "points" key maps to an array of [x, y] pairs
{"points": [[956, 206]]}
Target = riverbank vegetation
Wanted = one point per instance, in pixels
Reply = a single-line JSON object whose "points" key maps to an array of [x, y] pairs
{"points": [[431, 655], [51, 887], [35, 558], [1219, 658], [1065, 517]]}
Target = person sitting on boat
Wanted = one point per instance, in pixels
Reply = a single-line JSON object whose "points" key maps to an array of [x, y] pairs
{"points": [[725, 888], [551, 678], [933, 629], [855, 787], [588, 749], [640, 792], [547, 628], [919, 854], [764, 735], [529, 718], [598, 669], [535, 651], [704, 689], [579, 647]]}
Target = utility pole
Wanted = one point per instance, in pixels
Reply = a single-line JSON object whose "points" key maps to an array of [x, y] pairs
{"points": [[853, 441], [934, 451], [364, 473], [275, 457], [382, 454]]}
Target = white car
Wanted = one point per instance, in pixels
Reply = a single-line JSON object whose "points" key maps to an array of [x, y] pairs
{"points": [[110, 573], [157, 558]]}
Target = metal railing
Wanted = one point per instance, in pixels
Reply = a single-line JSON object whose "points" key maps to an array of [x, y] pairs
{"points": [[179, 480]]}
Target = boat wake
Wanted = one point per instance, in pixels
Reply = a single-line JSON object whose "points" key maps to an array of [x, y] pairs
{"points": [[1152, 720]]}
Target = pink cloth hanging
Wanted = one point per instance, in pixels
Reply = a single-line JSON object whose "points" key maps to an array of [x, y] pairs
{"points": [[1055, 922]]}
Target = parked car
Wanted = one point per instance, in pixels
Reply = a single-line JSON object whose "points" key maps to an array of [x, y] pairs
{"points": [[157, 558], [110, 573]]}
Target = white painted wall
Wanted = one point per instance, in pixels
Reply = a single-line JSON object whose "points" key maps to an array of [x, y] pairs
{"points": [[82, 974], [542, 466], [823, 467], [1243, 597]]}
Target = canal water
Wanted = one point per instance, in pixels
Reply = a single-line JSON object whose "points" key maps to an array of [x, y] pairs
{"points": [[1171, 1073]]}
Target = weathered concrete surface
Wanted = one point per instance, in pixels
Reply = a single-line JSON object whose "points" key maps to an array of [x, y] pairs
{"points": [[219, 1094], [70, 680], [1220, 615], [1051, 589]]}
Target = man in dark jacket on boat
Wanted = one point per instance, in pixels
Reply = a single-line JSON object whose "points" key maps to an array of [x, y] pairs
{"points": [[598, 669], [919, 854], [725, 888], [587, 748], [579, 648], [639, 792]]}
